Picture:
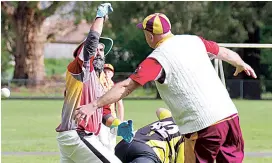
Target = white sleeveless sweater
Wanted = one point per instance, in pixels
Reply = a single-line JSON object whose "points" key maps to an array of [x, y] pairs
{"points": [[192, 90]]}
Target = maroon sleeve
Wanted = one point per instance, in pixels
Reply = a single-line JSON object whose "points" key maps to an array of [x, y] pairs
{"points": [[149, 70], [211, 46]]}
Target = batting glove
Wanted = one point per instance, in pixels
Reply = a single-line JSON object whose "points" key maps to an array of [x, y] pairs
{"points": [[124, 129], [103, 10]]}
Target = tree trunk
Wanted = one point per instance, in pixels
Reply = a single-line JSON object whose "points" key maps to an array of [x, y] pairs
{"points": [[29, 59]]}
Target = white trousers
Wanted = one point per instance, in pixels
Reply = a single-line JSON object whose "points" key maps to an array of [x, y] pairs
{"points": [[89, 150], [107, 138]]}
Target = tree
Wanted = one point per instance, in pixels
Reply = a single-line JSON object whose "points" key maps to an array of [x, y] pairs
{"points": [[207, 19], [26, 19]]}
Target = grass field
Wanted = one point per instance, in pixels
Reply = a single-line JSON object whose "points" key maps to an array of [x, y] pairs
{"points": [[29, 125]]}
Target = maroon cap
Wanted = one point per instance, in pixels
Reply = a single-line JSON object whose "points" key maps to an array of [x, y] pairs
{"points": [[156, 23]]}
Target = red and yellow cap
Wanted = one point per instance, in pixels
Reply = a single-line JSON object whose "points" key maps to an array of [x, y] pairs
{"points": [[108, 66], [156, 23]]}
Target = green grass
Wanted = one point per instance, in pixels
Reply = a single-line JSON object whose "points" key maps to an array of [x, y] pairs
{"points": [[56, 66], [258, 160], [29, 125], [56, 91], [30, 159]]}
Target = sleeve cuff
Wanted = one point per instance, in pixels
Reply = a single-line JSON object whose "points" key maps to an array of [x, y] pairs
{"points": [[134, 78]]}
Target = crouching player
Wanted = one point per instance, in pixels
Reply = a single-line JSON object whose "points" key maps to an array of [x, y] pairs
{"points": [[158, 142]]}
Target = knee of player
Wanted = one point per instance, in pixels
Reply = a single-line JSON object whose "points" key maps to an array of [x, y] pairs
{"points": [[163, 113]]}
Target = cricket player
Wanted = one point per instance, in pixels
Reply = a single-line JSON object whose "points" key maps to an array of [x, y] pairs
{"points": [[157, 142], [117, 109], [77, 140], [105, 136], [188, 84]]}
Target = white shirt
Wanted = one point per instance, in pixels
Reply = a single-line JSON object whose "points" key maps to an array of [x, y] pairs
{"points": [[192, 89]]}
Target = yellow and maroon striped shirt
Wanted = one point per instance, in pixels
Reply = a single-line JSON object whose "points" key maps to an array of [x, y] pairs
{"points": [[82, 87]]}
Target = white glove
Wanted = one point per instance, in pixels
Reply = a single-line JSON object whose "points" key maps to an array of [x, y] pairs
{"points": [[103, 10]]}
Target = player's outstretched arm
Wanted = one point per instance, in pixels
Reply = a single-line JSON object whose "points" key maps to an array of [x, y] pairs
{"points": [[117, 92], [92, 40], [234, 59]]}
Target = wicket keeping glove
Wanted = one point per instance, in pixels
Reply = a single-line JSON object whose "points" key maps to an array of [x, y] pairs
{"points": [[103, 10], [124, 129]]}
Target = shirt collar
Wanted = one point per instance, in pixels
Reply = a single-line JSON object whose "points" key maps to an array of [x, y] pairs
{"points": [[164, 39]]}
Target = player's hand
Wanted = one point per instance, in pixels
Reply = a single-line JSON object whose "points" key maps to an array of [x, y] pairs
{"points": [[246, 68], [83, 113], [125, 129], [103, 10]]}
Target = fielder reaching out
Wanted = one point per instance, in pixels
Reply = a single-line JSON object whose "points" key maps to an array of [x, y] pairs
{"points": [[188, 84]]}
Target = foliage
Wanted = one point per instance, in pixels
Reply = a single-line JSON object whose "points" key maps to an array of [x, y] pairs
{"points": [[219, 21], [5, 60], [7, 45]]}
